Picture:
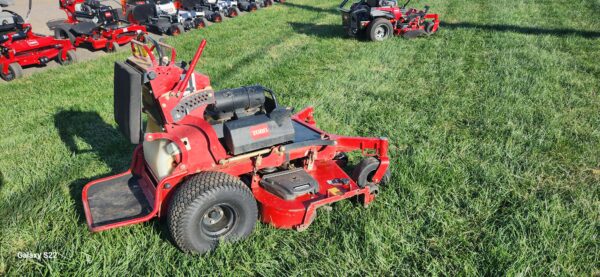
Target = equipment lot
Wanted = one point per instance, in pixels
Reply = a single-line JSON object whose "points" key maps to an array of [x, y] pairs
{"points": [[493, 128]]}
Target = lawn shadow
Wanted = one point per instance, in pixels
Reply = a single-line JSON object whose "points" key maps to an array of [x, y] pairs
{"points": [[521, 29], [78, 128], [322, 31], [312, 8]]}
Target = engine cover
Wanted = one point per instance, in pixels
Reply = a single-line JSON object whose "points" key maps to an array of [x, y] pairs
{"points": [[258, 131]]}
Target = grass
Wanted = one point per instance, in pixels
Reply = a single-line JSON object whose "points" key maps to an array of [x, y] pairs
{"points": [[493, 124]]}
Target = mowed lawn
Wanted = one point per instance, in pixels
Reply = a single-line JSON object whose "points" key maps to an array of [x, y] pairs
{"points": [[494, 124]]}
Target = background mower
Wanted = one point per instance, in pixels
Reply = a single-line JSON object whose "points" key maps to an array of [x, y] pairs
{"points": [[90, 21], [212, 162], [19, 46], [163, 16], [379, 19], [215, 10]]}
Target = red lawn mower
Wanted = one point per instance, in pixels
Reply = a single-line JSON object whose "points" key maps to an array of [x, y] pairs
{"points": [[90, 21], [212, 162], [379, 19], [19, 46]]}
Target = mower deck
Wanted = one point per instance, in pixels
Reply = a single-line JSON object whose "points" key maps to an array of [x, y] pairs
{"points": [[116, 199]]}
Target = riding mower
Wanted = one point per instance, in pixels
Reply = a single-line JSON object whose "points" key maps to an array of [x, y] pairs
{"points": [[252, 5], [19, 46], [211, 162], [215, 10], [91, 22], [163, 16], [379, 19]]}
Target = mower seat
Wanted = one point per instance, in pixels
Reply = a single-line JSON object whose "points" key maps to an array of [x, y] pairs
{"points": [[142, 13], [191, 4], [372, 3], [84, 28]]}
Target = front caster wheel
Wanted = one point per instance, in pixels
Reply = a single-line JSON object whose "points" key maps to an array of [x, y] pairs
{"points": [[112, 47], [208, 208], [15, 71], [71, 57], [364, 171]]}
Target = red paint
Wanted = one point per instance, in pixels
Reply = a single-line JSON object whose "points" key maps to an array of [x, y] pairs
{"points": [[31, 49], [208, 154], [101, 37]]}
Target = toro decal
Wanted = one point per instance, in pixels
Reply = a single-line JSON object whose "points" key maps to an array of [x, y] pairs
{"points": [[259, 131], [32, 43]]}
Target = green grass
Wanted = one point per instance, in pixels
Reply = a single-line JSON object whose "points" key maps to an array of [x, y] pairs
{"points": [[494, 126]]}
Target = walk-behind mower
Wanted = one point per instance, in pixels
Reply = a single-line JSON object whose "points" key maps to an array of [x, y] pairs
{"points": [[163, 16], [215, 10], [379, 19], [98, 25], [19, 46], [212, 162]]}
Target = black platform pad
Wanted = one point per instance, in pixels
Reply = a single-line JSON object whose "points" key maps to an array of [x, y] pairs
{"points": [[117, 200]]}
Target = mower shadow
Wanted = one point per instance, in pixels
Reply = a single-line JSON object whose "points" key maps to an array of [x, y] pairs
{"points": [[322, 31], [78, 128], [312, 8], [521, 29]]}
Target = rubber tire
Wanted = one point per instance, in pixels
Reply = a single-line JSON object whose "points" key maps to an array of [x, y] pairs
{"points": [[428, 27], [16, 72], [64, 33], [71, 57], [176, 29], [205, 21], [364, 170], [238, 11], [199, 193], [112, 47], [375, 24]]}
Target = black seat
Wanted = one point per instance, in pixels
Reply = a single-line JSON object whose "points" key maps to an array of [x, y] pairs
{"points": [[143, 13], [372, 3], [191, 4]]}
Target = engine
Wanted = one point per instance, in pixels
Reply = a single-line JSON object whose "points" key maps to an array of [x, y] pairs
{"points": [[246, 120]]}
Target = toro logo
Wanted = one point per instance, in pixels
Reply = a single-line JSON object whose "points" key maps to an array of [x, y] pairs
{"points": [[32, 43], [259, 131]]}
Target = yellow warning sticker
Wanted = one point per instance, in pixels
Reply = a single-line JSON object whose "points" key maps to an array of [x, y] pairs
{"points": [[334, 191]]}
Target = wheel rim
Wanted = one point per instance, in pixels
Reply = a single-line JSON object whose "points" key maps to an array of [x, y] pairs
{"points": [[381, 32], [218, 220]]}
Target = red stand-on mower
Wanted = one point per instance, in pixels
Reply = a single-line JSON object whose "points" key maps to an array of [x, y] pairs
{"points": [[19, 46], [212, 162], [90, 21], [379, 19]]}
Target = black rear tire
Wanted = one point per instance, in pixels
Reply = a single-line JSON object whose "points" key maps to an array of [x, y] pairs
{"points": [[15, 71], [210, 207], [380, 29]]}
